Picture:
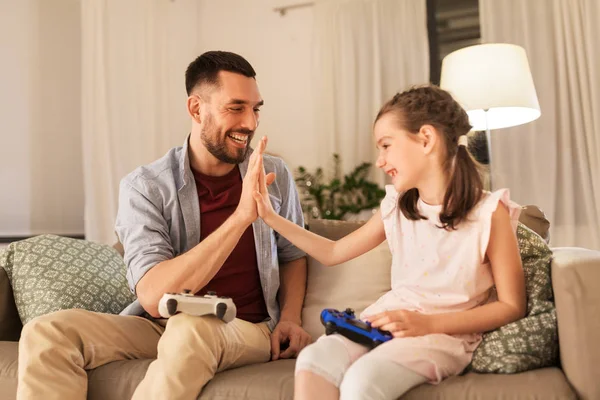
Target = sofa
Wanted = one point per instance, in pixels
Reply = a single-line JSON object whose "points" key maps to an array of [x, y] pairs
{"points": [[357, 283]]}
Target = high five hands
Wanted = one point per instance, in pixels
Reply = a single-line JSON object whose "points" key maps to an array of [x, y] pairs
{"points": [[259, 181], [254, 186]]}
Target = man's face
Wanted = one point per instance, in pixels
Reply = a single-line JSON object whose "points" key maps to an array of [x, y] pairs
{"points": [[230, 117]]}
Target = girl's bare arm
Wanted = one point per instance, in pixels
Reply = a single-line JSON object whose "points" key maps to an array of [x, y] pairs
{"points": [[326, 251], [329, 252]]}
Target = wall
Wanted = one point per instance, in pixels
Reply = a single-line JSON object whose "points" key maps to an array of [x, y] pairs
{"points": [[40, 110], [41, 188], [279, 48], [15, 38]]}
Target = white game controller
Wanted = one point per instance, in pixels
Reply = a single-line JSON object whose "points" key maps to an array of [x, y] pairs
{"points": [[187, 303]]}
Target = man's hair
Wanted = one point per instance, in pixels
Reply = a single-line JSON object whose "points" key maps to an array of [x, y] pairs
{"points": [[205, 69]]}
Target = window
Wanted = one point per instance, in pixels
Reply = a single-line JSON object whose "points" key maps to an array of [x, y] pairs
{"points": [[452, 25]]}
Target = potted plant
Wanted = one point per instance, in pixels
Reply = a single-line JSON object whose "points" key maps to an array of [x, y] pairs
{"points": [[352, 196]]}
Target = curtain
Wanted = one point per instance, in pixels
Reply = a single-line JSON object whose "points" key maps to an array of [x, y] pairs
{"points": [[134, 54], [364, 52], [554, 162]]}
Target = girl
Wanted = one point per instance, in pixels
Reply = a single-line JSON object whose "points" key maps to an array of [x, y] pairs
{"points": [[451, 243]]}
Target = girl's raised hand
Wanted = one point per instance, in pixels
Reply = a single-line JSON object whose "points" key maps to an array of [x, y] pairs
{"points": [[402, 323]]}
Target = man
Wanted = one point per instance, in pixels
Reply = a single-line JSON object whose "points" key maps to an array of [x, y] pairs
{"points": [[188, 221]]}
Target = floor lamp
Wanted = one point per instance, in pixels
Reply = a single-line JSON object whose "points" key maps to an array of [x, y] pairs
{"points": [[493, 83]]}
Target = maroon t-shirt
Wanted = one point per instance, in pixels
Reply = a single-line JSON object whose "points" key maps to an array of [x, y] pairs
{"points": [[238, 278]]}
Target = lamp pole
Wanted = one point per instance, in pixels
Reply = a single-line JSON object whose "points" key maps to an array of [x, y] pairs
{"points": [[488, 138]]}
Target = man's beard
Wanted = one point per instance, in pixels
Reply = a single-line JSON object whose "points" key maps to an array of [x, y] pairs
{"points": [[217, 145]]}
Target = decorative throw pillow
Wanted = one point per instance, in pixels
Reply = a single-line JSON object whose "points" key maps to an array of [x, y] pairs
{"points": [[531, 342], [50, 273]]}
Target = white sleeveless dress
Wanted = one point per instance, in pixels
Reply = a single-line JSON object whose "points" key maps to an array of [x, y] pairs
{"points": [[437, 271]]}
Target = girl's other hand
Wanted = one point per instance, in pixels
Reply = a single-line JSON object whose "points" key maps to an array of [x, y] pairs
{"points": [[402, 323]]}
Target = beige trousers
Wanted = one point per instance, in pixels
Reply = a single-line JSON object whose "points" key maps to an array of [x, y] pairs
{"points": [[55, 351]]}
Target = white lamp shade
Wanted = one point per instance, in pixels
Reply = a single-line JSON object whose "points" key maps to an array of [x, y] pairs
{"points": [[492, 79]]}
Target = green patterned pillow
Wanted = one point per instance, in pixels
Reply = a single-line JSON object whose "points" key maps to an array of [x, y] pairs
{"points": [[531, 342], [50, 273]]}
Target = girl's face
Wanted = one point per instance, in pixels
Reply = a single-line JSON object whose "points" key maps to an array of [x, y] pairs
{"points": [[402, 154]]}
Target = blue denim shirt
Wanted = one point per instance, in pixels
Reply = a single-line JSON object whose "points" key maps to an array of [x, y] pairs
{"points": [[159, 219]]}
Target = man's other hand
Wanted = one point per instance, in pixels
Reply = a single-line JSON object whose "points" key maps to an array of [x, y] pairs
{"points": [[290, 334]]}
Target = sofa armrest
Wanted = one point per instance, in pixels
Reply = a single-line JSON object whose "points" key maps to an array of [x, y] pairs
{"points": [[576, 283], [10, 323]]}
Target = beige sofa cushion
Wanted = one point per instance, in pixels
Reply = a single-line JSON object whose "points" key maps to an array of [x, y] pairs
{"points": [[545, 383], [275, 380], [8, 370], [356, 283]]}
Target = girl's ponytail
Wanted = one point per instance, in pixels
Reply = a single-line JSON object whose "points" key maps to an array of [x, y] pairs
{"points": [[465, 189]]}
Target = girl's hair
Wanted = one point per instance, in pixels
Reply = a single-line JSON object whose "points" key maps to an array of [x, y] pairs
{"points": [[430, 105]]}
